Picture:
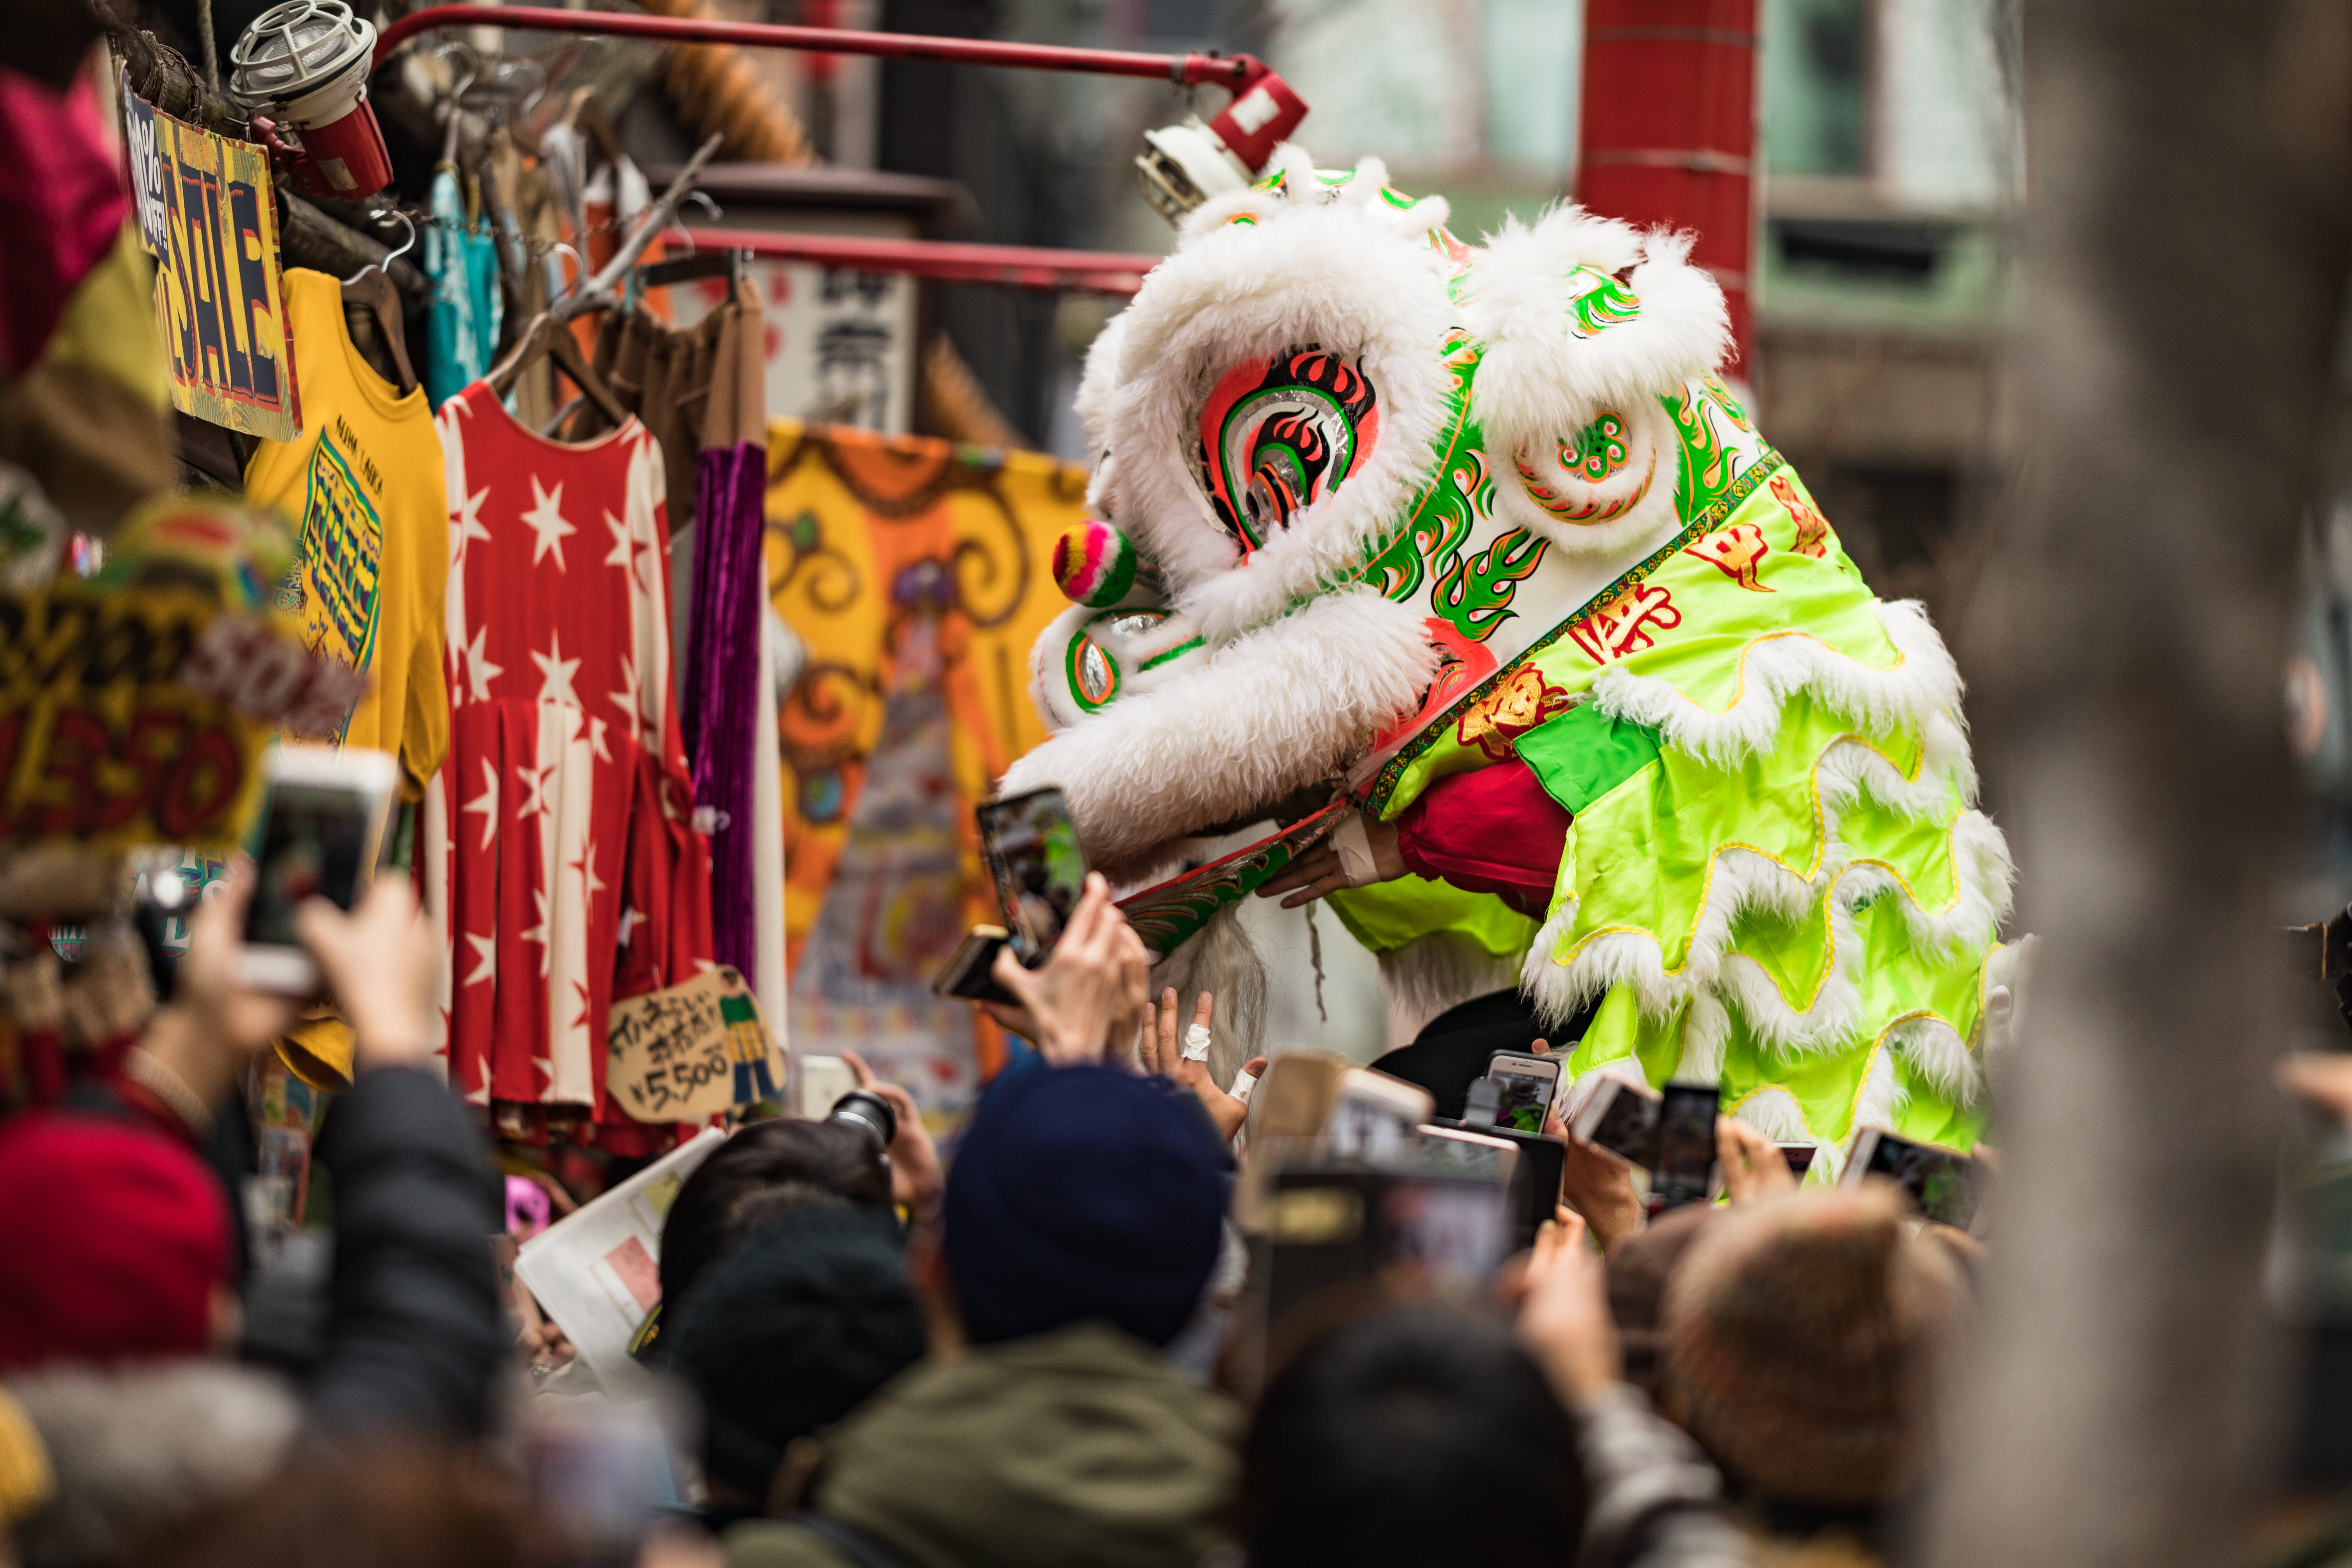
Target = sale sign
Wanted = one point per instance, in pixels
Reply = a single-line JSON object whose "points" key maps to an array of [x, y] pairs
{"points": [[102, 737], [208, 211], [690, 1051]]}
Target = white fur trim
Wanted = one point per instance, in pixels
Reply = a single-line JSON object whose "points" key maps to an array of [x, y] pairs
{"points": [[1778, 664], [1537, 380], [1345, 270], [1271, 713], [1707, 1032], [1937, 1056], [1881, 1097], [1096, 384], [1774, 1111]]}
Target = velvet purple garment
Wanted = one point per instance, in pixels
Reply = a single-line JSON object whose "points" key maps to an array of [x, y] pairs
{"points": [[722, 681]]}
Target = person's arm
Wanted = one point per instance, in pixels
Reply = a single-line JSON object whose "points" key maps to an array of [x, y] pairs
{"points": [[1494, 830], [414, 1334], [1652, 1492]]}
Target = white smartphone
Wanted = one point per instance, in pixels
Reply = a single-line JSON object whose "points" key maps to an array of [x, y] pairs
{"points": [[323, 835], [1623, 1120], [1528, 1084], [1374, 1114]]}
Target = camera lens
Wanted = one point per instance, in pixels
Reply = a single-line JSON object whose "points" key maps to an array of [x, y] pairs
{"points": [[864, 1108]]}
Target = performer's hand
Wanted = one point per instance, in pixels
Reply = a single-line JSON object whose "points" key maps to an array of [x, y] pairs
{"points": [[1753, 1166], [1321, 871], [1086, 988], [916, 1181], [1565, 1322], [1163, 1052]]}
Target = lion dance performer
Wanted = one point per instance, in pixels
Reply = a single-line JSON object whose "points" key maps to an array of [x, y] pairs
{"points": [[1479, 537]]}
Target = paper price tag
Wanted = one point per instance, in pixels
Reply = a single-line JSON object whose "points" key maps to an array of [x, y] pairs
{"points": [[691, 1051]]}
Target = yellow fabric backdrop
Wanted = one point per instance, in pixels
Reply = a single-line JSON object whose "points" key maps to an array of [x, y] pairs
{"points": [[871, 539]]}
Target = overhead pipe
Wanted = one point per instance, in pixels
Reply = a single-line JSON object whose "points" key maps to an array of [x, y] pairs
{"points": [[1015, 266]]}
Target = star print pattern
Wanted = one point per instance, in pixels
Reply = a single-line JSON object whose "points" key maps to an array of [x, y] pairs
{"points": [[545, 521], [561, 813]]}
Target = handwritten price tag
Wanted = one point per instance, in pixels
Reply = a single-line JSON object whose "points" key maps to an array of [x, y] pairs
{"points": [[691, 1051]]}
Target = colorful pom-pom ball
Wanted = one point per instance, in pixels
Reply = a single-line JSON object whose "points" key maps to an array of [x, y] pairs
{"points": [[1095, 564]]}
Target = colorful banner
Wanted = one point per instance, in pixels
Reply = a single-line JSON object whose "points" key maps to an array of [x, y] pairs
{"points": [[104, 739], [915, 576], [207, 212]]}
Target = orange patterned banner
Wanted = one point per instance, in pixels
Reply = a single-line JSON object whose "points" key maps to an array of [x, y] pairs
{"points": [[899, 562]]}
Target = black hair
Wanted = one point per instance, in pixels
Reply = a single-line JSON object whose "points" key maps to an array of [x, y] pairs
{"points": [[791, 1330], [1417, 1436], [767, 1169]]}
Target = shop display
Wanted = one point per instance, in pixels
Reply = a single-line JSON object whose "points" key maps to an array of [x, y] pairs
{"points": [[1403, 508], [562, 841]]}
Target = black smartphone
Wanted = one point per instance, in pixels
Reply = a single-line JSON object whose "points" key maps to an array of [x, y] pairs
{"points": [[1685, 1169], [1800, 1157], [1623, 1120], [1944, 1183], [968, 972], [1032, 852]]}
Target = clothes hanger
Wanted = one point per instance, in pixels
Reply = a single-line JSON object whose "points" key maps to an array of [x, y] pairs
{"points": [[551, 336], [371, 288]]}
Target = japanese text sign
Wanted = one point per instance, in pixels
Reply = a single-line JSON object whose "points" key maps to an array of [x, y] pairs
{"points": [[104, 739], [691, 1051], [206, 210]]}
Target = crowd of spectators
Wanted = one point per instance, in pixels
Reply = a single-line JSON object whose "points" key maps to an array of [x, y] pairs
{"points": [[1013, 1357]]}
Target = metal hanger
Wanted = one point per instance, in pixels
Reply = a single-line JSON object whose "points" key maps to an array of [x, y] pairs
{"points": [[371, 288]]}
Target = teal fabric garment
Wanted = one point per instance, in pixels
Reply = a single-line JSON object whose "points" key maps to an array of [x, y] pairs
{"points": [[461, 324]]}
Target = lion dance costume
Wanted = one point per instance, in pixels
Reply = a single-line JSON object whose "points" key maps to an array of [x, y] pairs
{"points": [[1388, 511]]}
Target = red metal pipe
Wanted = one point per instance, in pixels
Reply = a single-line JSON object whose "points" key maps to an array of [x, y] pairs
{"points": [[1016, 266], [1669, 129], [1237, 73]]}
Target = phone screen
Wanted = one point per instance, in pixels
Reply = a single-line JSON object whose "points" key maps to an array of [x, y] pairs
{"points": [[1800, 1157], [1525, 1095], [1943, 1183], [314, 845], [1686, 1145], [1628, 1127], [1033, 851]]}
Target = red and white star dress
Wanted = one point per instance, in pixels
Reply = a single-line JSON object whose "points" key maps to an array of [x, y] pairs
{"points": [[561, 833]]}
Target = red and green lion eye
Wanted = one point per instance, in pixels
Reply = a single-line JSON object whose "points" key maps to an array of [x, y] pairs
{"points": [[1278, 434]]}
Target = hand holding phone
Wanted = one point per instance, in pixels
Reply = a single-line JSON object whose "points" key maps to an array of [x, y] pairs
{"points": [[1685, 1171], [1620, 1119], [322, 836], [968, 974], [1526, 1085], [1944, 1183], [1031, 844]]}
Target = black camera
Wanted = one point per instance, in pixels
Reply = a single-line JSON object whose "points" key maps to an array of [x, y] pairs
{"points": [[870, 1113]]}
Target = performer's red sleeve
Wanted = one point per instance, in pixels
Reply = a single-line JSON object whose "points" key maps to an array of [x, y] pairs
{"points": [[1492, 831]]}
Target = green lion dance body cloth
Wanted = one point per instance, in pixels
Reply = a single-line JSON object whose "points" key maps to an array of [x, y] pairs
{"points": [[1385, 508]]}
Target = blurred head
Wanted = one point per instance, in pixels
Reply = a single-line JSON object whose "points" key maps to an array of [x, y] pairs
{"points": [[1419, 1436], [767, 1170], [1081, 1193], [1639, 1270], [383, 1501], [1802, 1338], [121, 1240], [789, 1332]]}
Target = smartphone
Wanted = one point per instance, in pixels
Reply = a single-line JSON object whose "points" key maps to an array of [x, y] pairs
{"points": [[1408, 1232], [1531, 1173], [1800, 1157], [966, 973], [1032, 852], [1944, 1183], [1685, 1168], [1374, 1115], [1622, 1119], [322, 836], [1528, 1084]]}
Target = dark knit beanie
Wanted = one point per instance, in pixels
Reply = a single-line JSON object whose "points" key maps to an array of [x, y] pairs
{"points": [[1639, 1271], [1077, 1194], [1802, 1338], [791, 1330]]}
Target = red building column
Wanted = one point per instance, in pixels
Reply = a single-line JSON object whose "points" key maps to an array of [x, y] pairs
{"points": [[1669, 128]]}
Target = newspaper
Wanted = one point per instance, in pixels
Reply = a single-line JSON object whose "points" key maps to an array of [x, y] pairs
{"points": [[596, 1271]]}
